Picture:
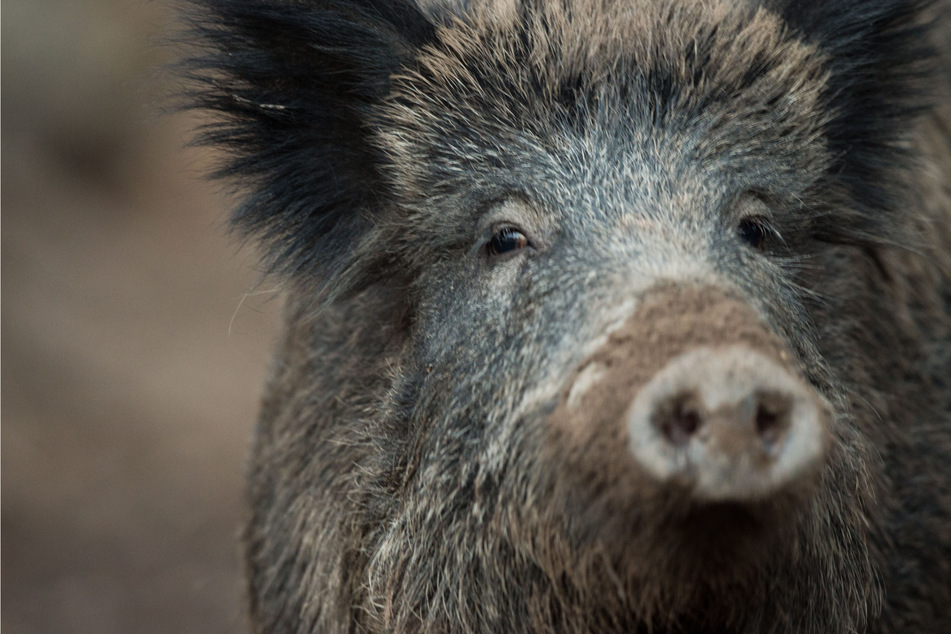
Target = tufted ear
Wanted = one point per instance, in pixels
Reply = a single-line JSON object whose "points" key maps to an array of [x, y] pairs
{"points": [[881, 69], [291, 83]]}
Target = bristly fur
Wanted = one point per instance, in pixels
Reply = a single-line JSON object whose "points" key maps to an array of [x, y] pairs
{"points": [[407, 474], [882, 67], [295, 83]]}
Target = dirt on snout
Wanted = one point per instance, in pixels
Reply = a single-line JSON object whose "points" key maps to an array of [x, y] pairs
{"points": [[671, 321]]}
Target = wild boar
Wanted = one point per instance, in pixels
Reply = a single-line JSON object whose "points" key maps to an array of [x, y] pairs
{"points": [[601, 316]]}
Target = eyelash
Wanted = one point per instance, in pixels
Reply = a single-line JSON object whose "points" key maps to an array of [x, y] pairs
{"points": [[506, 240], [754, 232]]}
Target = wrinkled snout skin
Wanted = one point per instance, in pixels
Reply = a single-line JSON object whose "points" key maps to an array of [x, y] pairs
{"points": [[601, 316]]}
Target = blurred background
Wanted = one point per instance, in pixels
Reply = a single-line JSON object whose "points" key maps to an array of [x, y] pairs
{"points": [[135, 336]]}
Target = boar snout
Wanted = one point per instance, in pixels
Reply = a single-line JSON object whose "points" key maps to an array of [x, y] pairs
{"points": [[695, 393], [728, 423]]}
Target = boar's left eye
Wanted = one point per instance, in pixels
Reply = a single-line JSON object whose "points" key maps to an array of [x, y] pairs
{"points": [[506, 240], [753, 232]]}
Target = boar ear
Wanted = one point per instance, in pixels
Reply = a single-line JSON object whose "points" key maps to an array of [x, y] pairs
{"points": [[291, 84], [879, 62]]}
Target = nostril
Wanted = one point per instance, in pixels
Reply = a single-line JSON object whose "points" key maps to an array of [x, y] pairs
{"points": [[681, 421], [772, 414], [765, 420]]}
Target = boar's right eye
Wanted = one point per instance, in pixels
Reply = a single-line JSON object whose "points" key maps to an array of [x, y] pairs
{"points": [[507, 240], [753, 232]]}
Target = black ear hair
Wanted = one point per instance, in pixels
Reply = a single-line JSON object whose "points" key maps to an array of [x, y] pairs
{"points": [[291, 83], [882, 67]]}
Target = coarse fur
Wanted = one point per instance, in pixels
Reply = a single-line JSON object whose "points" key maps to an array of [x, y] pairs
{"points": [[406, 475]]}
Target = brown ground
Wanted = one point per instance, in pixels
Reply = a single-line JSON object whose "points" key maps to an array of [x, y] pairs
{"points": [[130, 365]]}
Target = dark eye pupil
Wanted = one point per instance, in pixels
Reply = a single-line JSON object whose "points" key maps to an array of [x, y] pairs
{"points": [[507, 240], [752, 233]]}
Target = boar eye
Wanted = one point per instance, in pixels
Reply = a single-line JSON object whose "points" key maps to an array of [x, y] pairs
{"points": [[753, 232], [506, 240]]}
